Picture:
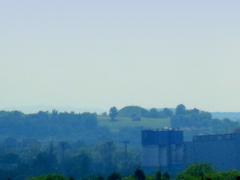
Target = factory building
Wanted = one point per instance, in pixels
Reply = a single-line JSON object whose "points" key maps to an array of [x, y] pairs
{"points": [[166, 150], [162, 150]]}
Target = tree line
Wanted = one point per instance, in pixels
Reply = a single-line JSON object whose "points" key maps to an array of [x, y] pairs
{"points": [[194, 172], [137, 112]]}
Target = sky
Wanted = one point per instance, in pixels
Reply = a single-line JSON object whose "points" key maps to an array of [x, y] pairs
{"points": [[97, 54]]}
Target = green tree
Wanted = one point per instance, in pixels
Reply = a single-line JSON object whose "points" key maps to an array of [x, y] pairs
{"points": [[139, 174], [167, 112], [180, 109], [113, 112], [114, 176], [50, 177], [158, 176], [197, 171], [79, 166], [166, 176], [45, 163], [153, 113]]}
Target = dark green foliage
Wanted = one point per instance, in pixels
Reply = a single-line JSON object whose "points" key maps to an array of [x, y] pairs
{"points": [[167, 112], [114, 176], [78, 166], [137, 112], [158, 176], [113, 112], [98, 178], [139, 174], [166, 176], [153, 113], [45, 163], [50, 177], [197, 119], [180, 109], [43, 125], [130, 111], [205, 172], [195, 172], [198, 171], [103, 159]]}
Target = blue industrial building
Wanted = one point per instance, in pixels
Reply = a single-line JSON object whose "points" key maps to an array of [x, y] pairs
{"points": [[166, 150]]}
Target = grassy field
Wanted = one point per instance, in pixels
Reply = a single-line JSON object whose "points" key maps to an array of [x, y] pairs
{"points": [[147, 123]]}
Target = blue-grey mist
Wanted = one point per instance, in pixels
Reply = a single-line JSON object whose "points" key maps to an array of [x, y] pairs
{"points": [[95, 54]]}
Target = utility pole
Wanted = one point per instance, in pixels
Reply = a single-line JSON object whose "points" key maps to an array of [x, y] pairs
{"points": [[63, 147], [126, 143]]}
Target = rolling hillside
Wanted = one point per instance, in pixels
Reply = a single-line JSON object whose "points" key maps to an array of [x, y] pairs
{"points": [[124, 122]]}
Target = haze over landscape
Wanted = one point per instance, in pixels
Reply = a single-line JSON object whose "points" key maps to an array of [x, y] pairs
{"points": [[101, 53], [119, 90]]}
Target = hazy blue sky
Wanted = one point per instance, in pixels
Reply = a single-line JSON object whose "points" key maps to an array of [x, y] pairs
{"points": [[99, 53]]}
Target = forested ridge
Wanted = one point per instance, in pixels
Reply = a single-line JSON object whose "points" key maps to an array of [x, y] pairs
{"points": [[82, 145]]}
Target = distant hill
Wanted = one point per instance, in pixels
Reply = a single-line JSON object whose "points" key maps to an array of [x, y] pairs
{"points": [[37, 108], [130, 111], [126, 123], [234, 116]]}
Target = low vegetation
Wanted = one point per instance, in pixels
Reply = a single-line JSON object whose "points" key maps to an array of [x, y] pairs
{"points": [[194, 172]]}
